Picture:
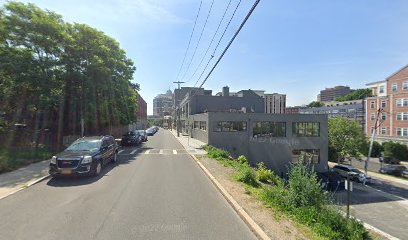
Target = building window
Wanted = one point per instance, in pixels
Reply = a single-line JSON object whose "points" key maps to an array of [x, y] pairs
{"points": [[372, 117], [405, 86], [383, 131], [310, 156], [402, 116], [372, 105], [402, 132], [383, 104], [384, 116], [306, 129], [196, 124], [269, 129], [203, 125], [381, 89], [402, 102], [394, 87], [230, 126]]}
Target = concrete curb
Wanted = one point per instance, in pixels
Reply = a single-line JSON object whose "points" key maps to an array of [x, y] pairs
{"points": [[255, 228], [378, 231], [25, 186]]}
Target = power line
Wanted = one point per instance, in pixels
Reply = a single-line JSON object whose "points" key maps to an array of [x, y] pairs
{"points": [[209, 46], [199, 40], [215, 49], [189, 41], [233, 38]]}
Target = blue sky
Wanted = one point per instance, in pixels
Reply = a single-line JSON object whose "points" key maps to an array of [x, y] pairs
{"points": [[294, 47]]}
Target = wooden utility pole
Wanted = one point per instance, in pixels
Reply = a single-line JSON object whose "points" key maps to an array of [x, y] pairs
{"points": [[376, 125]]}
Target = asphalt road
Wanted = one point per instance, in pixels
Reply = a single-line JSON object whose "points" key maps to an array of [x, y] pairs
{"points": [[152, 193], [385, 211]]}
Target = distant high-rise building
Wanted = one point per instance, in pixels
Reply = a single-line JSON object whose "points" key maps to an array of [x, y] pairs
{"points": [[163, 104], [330, 94], [275, 103]]}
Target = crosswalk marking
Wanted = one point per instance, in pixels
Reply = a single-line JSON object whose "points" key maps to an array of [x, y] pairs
{"points": [[174, 151], [147, 152], [161, 151]]}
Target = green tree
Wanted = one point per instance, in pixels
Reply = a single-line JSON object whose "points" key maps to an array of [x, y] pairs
{"points": [[346, 137], [315, 104], [396, 150], [358, 94]]}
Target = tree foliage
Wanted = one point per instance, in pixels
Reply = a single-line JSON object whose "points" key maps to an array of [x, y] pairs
{"points": [[54, 73], [396, 150], [315, 104], [346, 138], [358, 94]]}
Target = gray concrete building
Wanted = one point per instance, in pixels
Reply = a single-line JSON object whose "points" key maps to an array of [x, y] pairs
{"points": [[275, 139], [353, 110]]}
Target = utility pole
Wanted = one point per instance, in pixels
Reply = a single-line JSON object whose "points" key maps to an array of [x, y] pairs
{"points": [[177, 110], [376, 125]]}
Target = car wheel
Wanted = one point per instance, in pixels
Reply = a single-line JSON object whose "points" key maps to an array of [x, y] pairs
{"points": [[97, 169], [115, 157]]}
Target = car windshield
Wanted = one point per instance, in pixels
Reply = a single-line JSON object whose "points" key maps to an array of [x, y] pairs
{"points": [[141, 131], [85, 145]]}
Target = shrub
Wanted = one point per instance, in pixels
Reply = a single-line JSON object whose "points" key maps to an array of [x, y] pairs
{"points": [[242, 159], [246, 174], [263, 174], [216, 153], [304, 188]]}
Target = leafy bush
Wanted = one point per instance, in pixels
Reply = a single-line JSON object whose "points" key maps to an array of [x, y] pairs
{"points": [[263, 174], [242, 159], [216, 153], [246, 174], [304, 187], [304, 200]]}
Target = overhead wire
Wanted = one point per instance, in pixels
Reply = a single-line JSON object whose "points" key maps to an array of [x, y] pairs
{"points": [[231, 41], [189, 41], [219, 41], [199, 39], [212, 40]]}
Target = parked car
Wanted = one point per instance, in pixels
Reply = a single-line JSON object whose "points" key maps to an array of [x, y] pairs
{"points": [[131, 138], [143, 134], [85, 156], [331, 181], [354, 173], [396, 170], [150, 132], [389, 160]]}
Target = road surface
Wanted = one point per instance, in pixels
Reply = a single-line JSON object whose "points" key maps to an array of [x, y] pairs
{"points": [[155, 192]]}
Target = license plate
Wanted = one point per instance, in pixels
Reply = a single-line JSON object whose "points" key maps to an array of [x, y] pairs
{"points": [[66, 171]]}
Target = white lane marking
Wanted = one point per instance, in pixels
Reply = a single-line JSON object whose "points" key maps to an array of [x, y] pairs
{"points": [[120, 151], [134, 151], [174, 151], [147, 152], [161, 151]]}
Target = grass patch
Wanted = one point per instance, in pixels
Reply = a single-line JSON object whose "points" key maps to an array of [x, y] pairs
{"points": [[301, 198], [14, 159]]}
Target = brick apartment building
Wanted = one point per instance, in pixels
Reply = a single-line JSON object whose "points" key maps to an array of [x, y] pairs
{"points": [[390, 95], [141, 112]]}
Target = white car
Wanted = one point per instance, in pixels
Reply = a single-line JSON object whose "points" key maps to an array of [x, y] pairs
{"points": [[354, 173]]}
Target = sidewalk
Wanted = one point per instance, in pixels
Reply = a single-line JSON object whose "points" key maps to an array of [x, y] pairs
{"points": [[23, 177], [190, 144], [380, 176]]}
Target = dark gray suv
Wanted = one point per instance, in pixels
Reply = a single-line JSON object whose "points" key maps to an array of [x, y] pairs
{"points": [[85, 156]]}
